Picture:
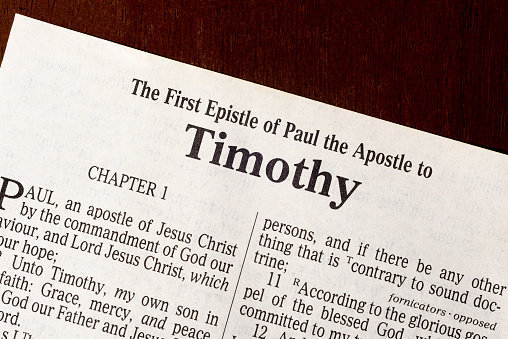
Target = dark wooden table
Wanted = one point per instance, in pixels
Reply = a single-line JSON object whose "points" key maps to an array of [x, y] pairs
{"points": [[439, 66]]}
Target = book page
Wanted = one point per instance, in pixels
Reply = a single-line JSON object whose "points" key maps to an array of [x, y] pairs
{"points": [[145, 198]]}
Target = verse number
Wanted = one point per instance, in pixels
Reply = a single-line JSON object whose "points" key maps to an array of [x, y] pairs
{"points": [[260, 331]]}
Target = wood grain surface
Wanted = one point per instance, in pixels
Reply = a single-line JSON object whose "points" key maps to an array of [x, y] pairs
{"points": [[438, 66]]}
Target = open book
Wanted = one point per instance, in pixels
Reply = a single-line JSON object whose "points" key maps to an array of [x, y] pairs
{"points": [[144, 198]]}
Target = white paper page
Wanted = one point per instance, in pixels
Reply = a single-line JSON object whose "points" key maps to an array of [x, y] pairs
{"points": [[145, 198]]}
